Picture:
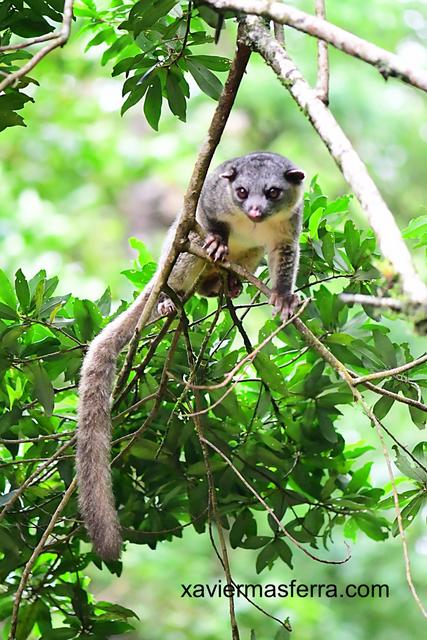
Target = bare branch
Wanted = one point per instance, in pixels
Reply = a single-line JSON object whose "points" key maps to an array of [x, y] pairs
{"points": [[388, 64], [56, 40], [374, 301], [322, 86], [403, 399], [30, 42], [388, 373], [379, 215]]}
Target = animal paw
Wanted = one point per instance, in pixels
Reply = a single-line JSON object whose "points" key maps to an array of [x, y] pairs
{"points": [[234, 286], [284, 304], [166, 307], [215, 247]]}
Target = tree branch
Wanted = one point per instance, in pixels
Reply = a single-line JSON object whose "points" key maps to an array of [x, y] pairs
{"points": [[379, 215], [57, 39], [186, 219], [322, 86], [312, 341], [387, 63], [388, 373]]}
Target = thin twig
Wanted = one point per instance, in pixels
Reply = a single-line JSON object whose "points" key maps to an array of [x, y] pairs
{"points": [[270, 511], [403, 399], [322, 86], [388, 373], [37, 551], [20, 490], [57, 40], [213, 506], [374, 301]]}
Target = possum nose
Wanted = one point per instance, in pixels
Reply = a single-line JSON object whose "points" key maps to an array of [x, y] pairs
{"points": [[255, 213]]}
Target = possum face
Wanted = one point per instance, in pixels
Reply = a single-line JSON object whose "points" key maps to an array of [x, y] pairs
{"points": [[264, 186]]}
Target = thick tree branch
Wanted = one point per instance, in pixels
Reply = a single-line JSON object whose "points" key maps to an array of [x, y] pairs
{"points": [[57, 39], [186, 219], [379, 215], [387, 63]]}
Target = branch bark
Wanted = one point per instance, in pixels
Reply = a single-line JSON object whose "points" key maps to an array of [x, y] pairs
{"points": [[322, 59], [186, 220], [354, 170], [388, 64]]}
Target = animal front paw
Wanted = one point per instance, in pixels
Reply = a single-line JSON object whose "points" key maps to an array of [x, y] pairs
{"points": [[284, 304], [215, 247], [166, 307], [234, 286]]}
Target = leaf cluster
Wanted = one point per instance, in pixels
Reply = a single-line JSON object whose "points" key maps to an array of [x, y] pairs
{"points": [[279, 424]]}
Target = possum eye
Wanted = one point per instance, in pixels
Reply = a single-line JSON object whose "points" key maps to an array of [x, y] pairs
{"points": [[242, 193], [273, 193]]}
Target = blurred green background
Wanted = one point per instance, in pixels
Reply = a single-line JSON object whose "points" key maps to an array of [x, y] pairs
{"points": [[79, 180]]}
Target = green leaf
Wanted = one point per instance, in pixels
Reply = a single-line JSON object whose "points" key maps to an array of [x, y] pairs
{"points": [[61, 633], [382, 407], [27, 24], [216, 63], [176, 99], [104, 302], [408, 513], [117, 609], [153, 103], [144, 255], [352, 242], [43, 388], [244, 526], [205, 79], [328, 248], [270, 374], [88, 318], [7, 293], [374, 527], [137, 93], [150, 12], [22, 290], [266, 557], [408, 466], [27, 619], [7, 313], [385, 348], [284, 551]]}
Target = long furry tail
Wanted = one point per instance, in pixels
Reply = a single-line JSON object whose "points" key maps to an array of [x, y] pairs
{"points": [[96, 499]]}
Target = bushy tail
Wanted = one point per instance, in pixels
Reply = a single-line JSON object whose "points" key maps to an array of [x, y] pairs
{"points": [[96, 499]]}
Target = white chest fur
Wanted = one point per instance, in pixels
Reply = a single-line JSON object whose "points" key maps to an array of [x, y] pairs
{"points": [[246, 234]]}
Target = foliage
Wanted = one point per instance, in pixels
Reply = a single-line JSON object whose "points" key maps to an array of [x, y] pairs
{"points": [[277, 425], [154, 43]]}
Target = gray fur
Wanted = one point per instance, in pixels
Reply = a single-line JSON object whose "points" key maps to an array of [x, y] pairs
{"points": [[230, 232]]}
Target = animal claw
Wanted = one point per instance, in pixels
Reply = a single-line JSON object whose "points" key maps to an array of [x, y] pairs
{"points": [[166, 307], [215, 247], [284, 304]]}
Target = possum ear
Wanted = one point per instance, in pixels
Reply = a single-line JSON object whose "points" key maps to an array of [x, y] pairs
{"points": [[230, 174], [294, 176]]}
